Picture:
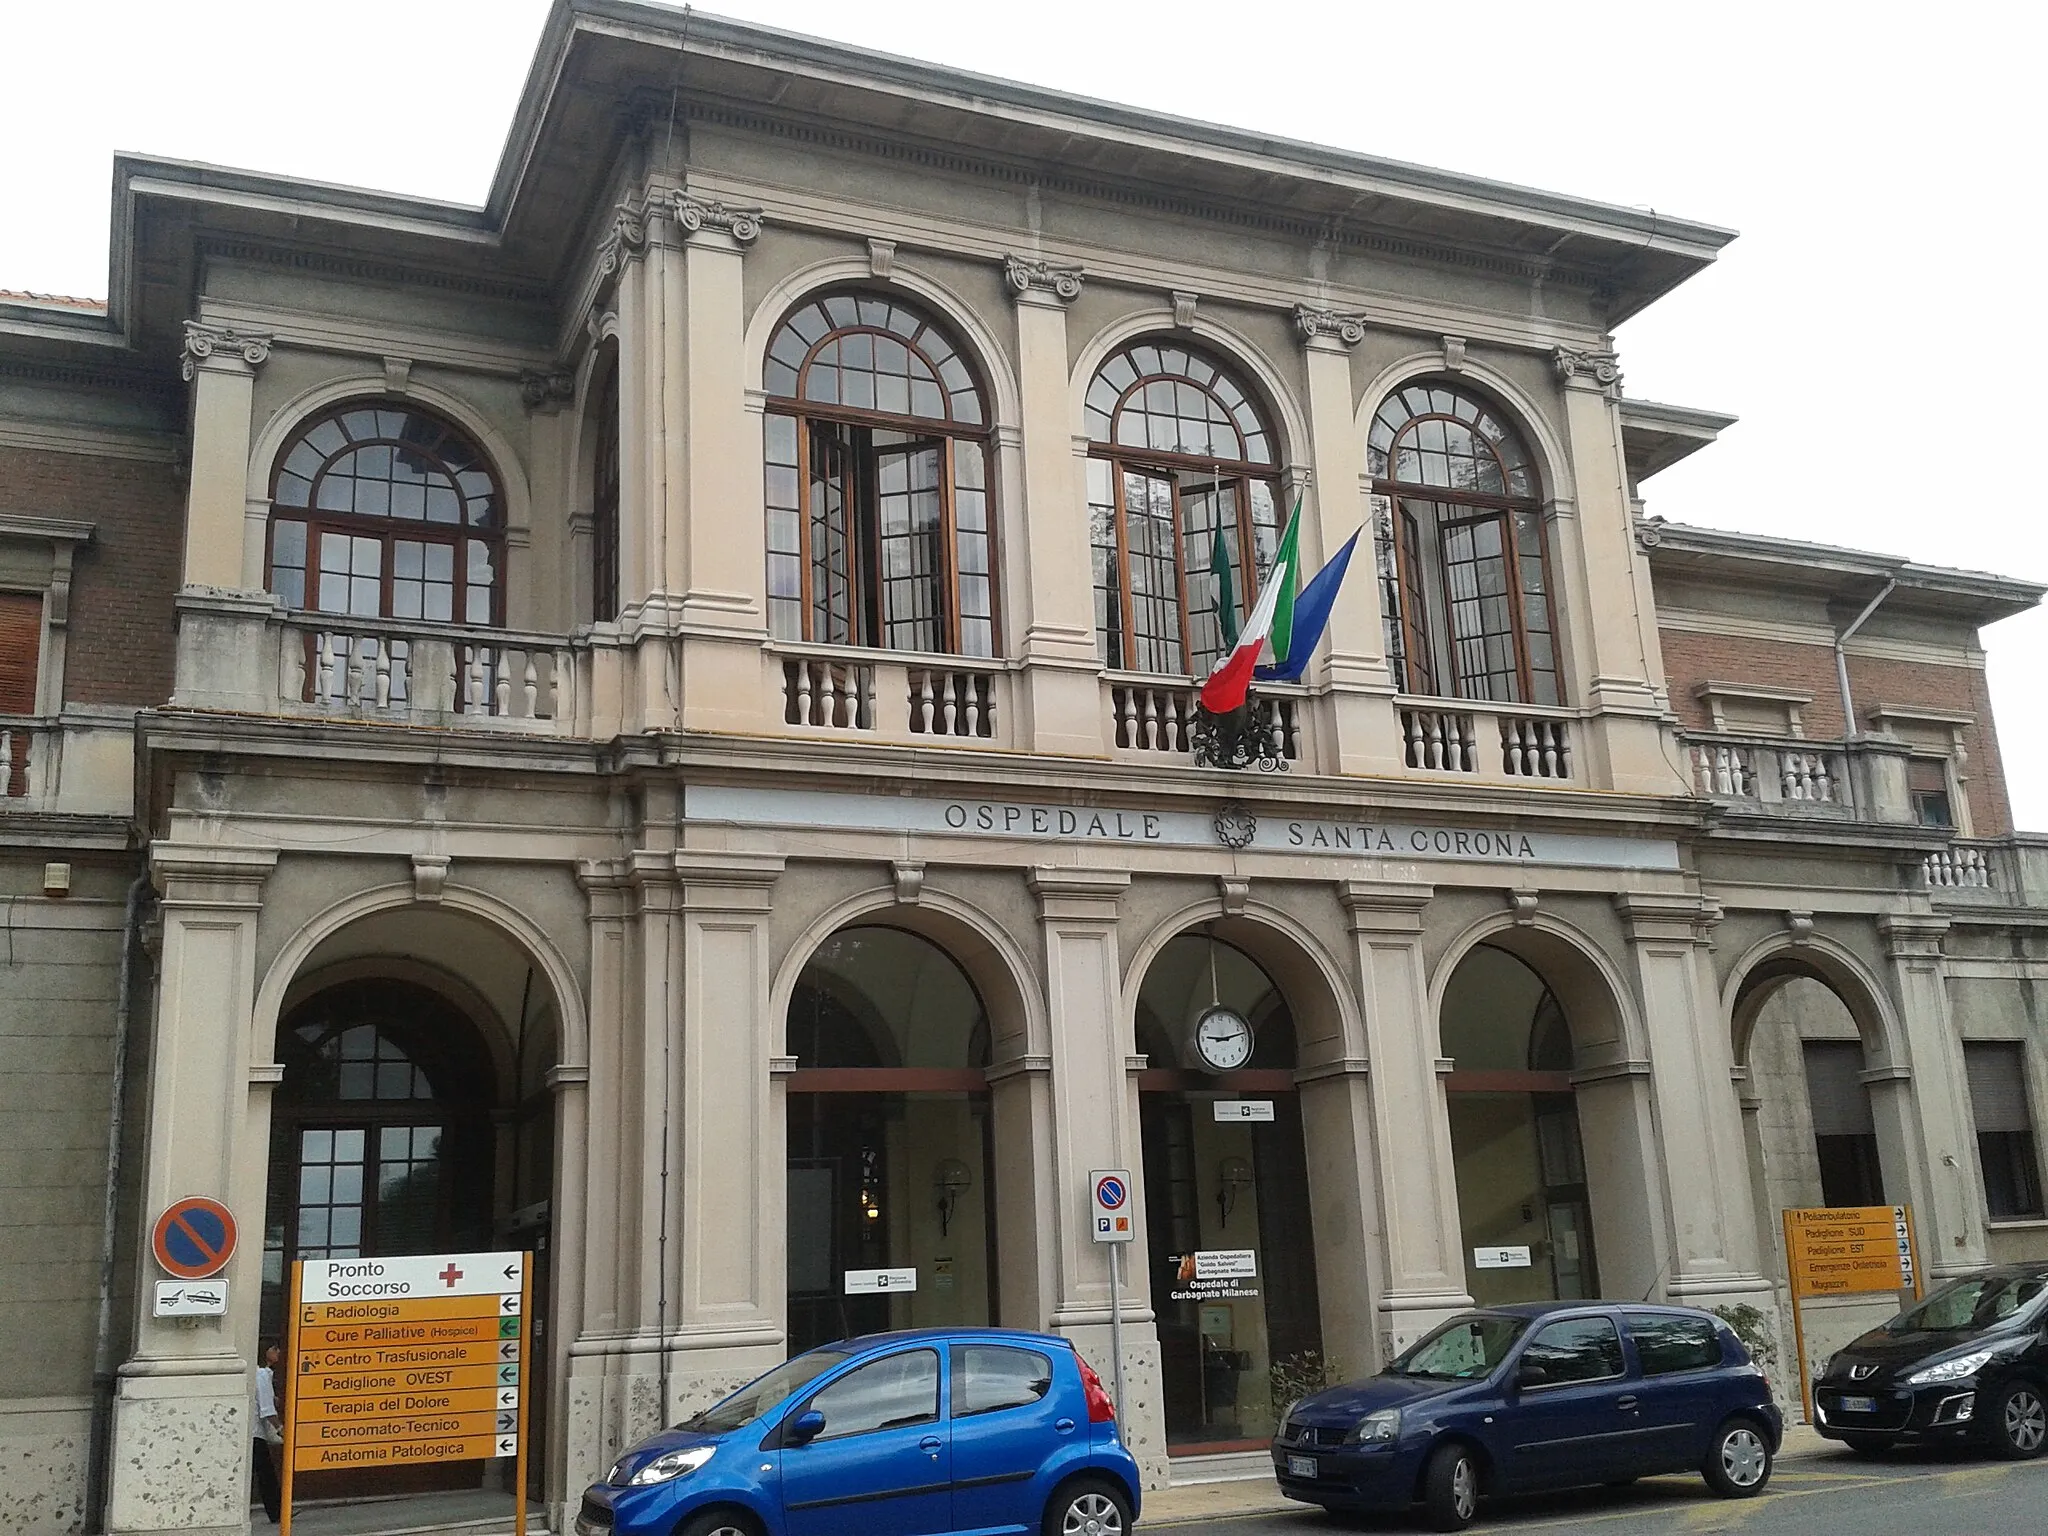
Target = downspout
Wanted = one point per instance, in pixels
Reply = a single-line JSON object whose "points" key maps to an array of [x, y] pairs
{"points": [[100, 1435], [1842, 677], [1842, 656]]}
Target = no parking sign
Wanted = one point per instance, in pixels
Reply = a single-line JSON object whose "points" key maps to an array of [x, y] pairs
{"points": [[194, 1238], [1111, 1196]]}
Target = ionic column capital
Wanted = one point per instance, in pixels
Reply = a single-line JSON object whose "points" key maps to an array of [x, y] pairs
{"points": [[1036, 281], [722, 222], [1328, 329], [221, 349], [1588, 368]]}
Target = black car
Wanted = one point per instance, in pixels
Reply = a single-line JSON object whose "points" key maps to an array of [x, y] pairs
{"points": [[1968, 1363], [1538, 1396]]}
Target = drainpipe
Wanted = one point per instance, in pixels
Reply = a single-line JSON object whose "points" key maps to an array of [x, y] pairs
{"points": [[100, 1442], [1842, 677], [1842, 656]]}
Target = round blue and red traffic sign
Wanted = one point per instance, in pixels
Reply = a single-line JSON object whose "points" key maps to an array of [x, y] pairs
{"points": [[1110, 1193], [194, 1238]]}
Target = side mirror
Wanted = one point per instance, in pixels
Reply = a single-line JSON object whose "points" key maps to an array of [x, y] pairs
{"points": [[1531, 1375], [804, 1428]]}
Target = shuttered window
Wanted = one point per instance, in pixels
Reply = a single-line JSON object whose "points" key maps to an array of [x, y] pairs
{"points": [[21, 637], [2005, 1130], [1841, 1105], [1844, 1134]]}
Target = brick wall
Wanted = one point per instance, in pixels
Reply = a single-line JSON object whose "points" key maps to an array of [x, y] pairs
{"points": [[120, 649], [1691, 658]]}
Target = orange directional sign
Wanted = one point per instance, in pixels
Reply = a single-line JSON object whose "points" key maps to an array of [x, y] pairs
{"points": [[1846, 1251], [406, 1361]]}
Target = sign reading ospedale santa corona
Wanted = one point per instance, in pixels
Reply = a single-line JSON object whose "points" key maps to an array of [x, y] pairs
{"points": [[1128, 825]]}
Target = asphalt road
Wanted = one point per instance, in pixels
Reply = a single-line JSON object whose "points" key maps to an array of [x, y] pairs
{"points": [[1911, 1493]]}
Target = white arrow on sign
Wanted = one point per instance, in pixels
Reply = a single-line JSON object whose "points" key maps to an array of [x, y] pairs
{"points": [[508, 1397], [508, 1306], [508, 1444]]}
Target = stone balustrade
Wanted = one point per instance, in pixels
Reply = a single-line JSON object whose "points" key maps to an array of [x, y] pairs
{"points": [[1487, 741]]}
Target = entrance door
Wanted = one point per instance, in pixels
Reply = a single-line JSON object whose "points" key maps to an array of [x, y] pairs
{"points": [[1231, 1243], [890, 1217]]}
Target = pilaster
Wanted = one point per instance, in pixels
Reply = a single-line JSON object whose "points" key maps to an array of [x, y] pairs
{"points": [[220, 364], [181, 1431], [1411, 1127], [1367, 736], [1053, 631], [1950, 1216], [1695, 1117], [1617, 665], [1095, 1125]]}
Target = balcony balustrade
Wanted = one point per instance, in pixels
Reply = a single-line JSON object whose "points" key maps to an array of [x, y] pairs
{"points": [[420, 673], [1467, 737], [1150, 716], [24, 755], [887, 696], [1763, 773]]}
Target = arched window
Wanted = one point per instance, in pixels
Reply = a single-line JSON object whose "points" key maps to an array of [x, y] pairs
{"points": [[379, 510], [604, 499], [878, 476], [1180, 460], [1463, 583]]}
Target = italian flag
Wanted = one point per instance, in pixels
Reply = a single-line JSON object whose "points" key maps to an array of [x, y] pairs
{"points": [[1232, 676]]}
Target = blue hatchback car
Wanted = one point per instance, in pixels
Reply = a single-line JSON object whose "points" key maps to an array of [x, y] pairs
{"points": [[983, 1430], [1551, 1395]]}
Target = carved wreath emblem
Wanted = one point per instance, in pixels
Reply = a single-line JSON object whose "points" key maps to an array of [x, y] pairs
{"points": [[1236, 826]]}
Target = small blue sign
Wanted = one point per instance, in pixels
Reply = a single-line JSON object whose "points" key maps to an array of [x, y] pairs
{"points": [[1110, 1193]]}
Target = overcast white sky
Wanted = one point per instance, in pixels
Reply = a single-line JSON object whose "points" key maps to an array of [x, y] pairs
{"points": [[1882, 309]]}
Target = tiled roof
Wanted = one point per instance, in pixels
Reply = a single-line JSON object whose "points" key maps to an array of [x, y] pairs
{"points": [[52, 300]]}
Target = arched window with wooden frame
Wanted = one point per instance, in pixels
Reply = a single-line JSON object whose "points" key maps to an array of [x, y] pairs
{"points": [[1179, 455], [1464, 572], [878, 480], [381, 510]]}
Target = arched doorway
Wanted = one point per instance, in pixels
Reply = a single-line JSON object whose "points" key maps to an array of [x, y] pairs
{"points": [[1231, 1244], [1524, 1209], [382, 1144], [891, 1217]]}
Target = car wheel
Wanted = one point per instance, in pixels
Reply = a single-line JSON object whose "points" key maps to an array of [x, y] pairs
{"points": [[1868, 1445], [1739, 1462], [717, 1522], [1088, 1508], [1450, 1488], [2019, 1420]]}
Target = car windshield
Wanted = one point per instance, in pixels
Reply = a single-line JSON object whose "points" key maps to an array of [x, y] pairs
{"points": [[1977, 1301], [764, 1392], [1464, 1348]]}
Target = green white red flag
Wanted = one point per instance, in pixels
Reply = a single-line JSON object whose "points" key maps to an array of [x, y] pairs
{"points": [[1231, 677]]}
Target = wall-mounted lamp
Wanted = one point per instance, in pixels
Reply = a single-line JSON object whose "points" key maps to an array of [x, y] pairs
{"points": [[1233, 1177], [950, 1180]]}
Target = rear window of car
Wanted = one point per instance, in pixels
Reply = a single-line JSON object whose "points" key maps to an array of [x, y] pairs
{"points": [[990, 1377], [1667, 1343]]}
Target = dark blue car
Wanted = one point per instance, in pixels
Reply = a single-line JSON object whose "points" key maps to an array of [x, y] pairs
{"points": [[983, 1430], [1552, 1395]]}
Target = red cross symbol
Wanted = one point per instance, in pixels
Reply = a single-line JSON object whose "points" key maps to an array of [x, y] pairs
{"points": [[450, 1275]]}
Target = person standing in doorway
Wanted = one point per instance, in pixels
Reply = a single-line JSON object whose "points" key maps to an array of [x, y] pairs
{"points": [[269, 1433]]}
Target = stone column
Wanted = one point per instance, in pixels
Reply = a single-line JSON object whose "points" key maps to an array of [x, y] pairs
{"points": [[716, 523], [1704, 1191], [1345, 1201], [182, 1407], [1949, 1217], [1046, 552], [732, 1169], [1360, 687], [568, 1471], [1095, 1125], [1616, 665], [1411, 1127]]}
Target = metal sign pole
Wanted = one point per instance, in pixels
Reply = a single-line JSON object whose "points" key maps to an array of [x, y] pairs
{"points": [[1116, 1330], [525, 1383], [288, 1397]]}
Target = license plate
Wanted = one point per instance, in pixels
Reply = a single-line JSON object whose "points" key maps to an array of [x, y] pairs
{"points": [[1859, 1405], [1301, 1466]]}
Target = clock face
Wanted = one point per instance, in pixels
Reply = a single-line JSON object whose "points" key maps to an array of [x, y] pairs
{"points": [[1223, 1039]]}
